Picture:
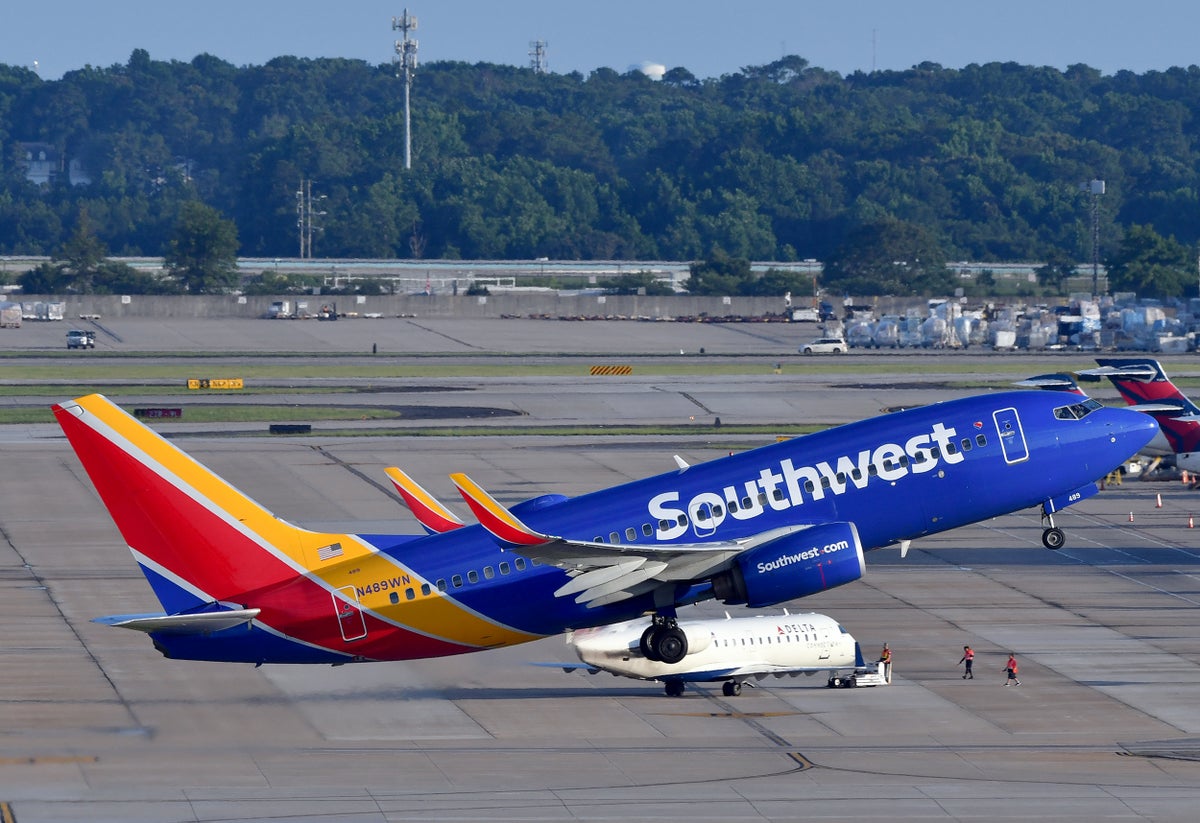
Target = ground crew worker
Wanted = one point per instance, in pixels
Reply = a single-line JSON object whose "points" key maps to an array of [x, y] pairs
{"points": [[885, 657], [968, 658], [1011, 668]]}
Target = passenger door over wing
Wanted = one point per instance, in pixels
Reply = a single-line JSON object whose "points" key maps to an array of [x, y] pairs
{"points": [[1012, 437]]}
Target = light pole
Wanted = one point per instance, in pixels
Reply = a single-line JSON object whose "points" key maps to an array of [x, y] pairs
{"points": [[405, 62], [1095, 188]]}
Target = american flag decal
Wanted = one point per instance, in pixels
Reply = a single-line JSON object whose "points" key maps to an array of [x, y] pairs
{"points": [[329, 552]]}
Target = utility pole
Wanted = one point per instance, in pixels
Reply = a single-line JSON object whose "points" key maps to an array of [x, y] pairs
{"points": [[306, 216], [405, 62]]}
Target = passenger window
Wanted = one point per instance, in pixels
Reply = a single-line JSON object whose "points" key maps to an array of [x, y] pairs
{"points": [[598, 539], [663, 525], [504, 567], [441, 584], [631, 533], [394, 598], [904, 460], [778, 495], [951, 448], [613, 537], [717, 511], [488, 573], [683, 521], [733, 506], [647, 529], [457, 581], [409, 594], [762, 498], [519, 564], [473, 576], [809, 487], [425, 590], [980, 440], [966, 444], [841, 478], [745, 502]]}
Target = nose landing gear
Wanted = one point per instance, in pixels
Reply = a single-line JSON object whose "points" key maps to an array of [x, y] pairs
{"points": [[1052, 536]]}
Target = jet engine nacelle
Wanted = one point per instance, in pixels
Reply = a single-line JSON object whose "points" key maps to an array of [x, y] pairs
{"points": [[796, 565]]}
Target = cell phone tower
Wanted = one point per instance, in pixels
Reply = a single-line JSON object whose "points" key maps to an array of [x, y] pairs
{"points": [[405, 62], [537, 56]]}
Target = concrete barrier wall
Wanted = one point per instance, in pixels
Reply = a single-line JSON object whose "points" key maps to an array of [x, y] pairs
{"points": [[548, 304]]}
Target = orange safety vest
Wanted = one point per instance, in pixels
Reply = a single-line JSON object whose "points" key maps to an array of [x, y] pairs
{"points": [[1012, 664]]}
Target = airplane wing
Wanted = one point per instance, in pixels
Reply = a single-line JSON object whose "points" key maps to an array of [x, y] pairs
{"points": [[429, 511], [605, 573]]}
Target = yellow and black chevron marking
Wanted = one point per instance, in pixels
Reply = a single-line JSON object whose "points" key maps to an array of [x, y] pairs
{"points": [[6, 813], [611, 370], [214, 383]]}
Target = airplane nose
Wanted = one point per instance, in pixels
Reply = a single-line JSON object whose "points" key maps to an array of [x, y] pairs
{"points": [[1128, 431]]}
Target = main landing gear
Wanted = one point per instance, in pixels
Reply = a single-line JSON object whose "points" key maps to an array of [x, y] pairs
{"points": [[1052, 536], [663, 641]]}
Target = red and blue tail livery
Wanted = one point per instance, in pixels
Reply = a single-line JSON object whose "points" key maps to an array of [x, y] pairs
{"points": [[1146, 388], [239, 583]]}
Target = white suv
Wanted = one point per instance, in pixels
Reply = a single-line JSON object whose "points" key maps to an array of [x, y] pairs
{"points": [[824, 345]]}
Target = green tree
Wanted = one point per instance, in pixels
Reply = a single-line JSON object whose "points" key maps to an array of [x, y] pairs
{"points": [[719, 275], [202, 254], [1149, 264], [1056, 270], [890, 257]]}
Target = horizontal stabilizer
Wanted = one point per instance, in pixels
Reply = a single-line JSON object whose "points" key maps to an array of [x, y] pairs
{"points": [[434, 517], [503, 524], [201, 623]]}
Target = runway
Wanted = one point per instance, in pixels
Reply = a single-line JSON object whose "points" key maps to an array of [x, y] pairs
{"points": [[95, 725]]}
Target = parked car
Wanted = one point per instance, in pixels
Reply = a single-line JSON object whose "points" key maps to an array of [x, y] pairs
{"points": [[824, 345]]}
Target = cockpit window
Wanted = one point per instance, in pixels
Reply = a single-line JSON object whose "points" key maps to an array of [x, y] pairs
{"points": [[1078, 411]]}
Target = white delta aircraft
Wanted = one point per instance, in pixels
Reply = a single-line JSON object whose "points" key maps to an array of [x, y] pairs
{"points": [[733, 650]]}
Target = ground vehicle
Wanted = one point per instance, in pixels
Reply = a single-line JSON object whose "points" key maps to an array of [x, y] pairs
{"points": [[81, 339], [824, 345]]}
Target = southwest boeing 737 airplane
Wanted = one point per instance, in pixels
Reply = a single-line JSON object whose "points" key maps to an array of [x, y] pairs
{"points": [[766, 526]]}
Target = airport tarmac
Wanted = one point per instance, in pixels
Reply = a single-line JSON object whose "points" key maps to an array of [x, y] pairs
{"points": [[95, 725]]}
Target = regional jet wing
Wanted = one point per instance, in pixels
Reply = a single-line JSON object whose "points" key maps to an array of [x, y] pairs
{"points": [[603, 573]]}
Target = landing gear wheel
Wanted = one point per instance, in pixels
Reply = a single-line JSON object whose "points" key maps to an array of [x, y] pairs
{"points": [[670, 645], [1053, 538], [673, 688], [731, 688], [647, 644]]}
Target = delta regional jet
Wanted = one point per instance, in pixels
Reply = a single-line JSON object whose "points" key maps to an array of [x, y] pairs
{"points": [[731, 650], [758, 528], [1146, 387]]}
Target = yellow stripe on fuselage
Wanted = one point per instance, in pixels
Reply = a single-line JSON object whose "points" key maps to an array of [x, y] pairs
{"points": [[435, 615]]}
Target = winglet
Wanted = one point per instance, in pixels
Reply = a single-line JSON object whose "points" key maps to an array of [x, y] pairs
{"points": [[502, 523], [429, 511]]}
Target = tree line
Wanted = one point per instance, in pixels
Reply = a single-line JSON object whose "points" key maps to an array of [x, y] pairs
{"points": [[881, 175]]}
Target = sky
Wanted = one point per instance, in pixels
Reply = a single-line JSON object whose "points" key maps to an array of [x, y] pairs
{"points": [[708, 39]]}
